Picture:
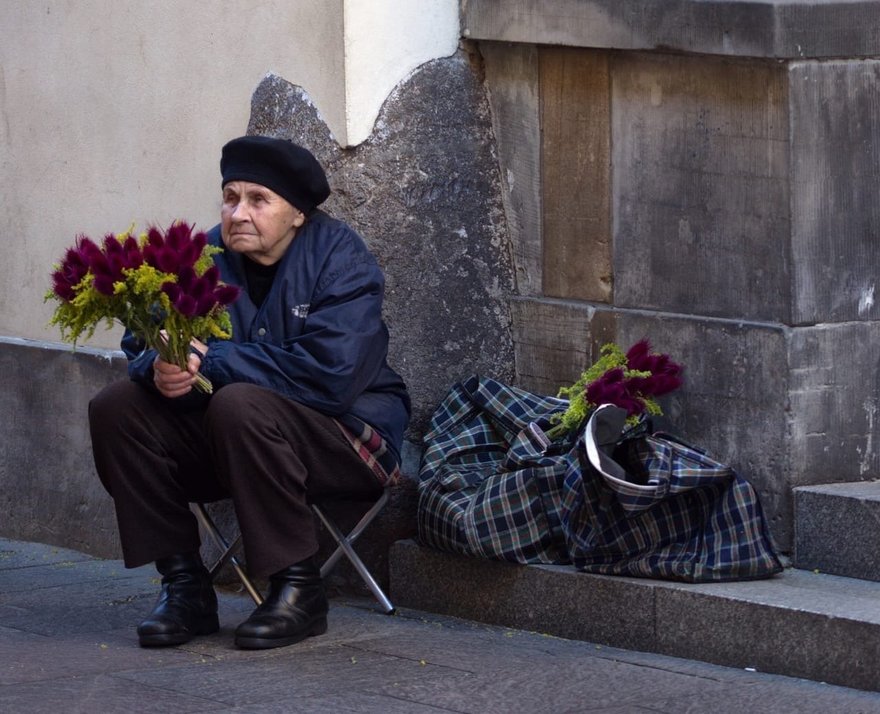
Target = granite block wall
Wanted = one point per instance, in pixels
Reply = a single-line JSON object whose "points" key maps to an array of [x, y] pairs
{"points": [[721, 206]]}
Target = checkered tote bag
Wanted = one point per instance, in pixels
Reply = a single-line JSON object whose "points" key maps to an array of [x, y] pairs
{"points": [[489, 486], [650, 506]]}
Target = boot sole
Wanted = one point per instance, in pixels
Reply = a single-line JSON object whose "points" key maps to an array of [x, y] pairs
{"points": [[318, 627], [207, 626]]}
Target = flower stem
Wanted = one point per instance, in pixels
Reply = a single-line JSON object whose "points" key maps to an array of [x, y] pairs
{"points": [[203, 384], [175, 350]]}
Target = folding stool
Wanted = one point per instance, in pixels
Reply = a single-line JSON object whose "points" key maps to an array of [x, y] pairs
{"points": [[344, 546]]}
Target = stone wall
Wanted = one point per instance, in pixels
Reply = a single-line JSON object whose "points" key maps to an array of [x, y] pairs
{"points": [[50, 492], [721, 204]]}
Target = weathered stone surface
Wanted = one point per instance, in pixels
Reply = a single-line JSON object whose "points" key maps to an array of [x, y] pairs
{"points": [[733, 403], [797, 623], [425, 193], [556, 340], [836, 529], [576, 173], [59, 653], [807, 625], [512, 71], [700, 205], [549, 599], [835, 393], [50, 492], [746, 28], [742, 190], [835, 140]]}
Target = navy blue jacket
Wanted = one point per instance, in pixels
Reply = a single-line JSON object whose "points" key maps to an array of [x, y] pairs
{"points": [[318, 337]]}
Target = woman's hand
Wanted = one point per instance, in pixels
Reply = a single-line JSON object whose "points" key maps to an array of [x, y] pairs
{"points": [[171, 380]]}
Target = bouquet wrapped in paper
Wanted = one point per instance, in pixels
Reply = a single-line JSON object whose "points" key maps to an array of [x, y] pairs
{"points": [[632, 381], [161, 285]]}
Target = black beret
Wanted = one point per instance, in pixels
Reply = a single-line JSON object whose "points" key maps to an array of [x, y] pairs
{"points": [[278, 164]]}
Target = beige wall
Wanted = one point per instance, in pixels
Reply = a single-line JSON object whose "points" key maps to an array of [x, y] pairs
{"points": [[385, 40], [113, 111]]}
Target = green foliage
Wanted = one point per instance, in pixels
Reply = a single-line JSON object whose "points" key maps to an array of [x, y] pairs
{"points": [[580, 407], [611, 356], [139, 299], [82, 315]]}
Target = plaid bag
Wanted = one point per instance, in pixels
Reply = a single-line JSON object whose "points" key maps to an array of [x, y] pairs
{"points": [[648, 505], [490, 484]]}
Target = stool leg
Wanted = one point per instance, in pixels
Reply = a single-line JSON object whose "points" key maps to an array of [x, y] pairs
{"points": [[227, 552], [362, 524], [344, 546]]}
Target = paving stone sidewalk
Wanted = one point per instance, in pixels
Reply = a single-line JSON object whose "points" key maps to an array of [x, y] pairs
{"points": [[67, 643]]}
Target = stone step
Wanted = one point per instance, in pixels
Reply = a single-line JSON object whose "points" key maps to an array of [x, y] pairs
{"points": [[798, 623], [837, 529]]}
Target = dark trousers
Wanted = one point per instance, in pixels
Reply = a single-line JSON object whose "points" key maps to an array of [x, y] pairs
{"points": [[270, 454]]}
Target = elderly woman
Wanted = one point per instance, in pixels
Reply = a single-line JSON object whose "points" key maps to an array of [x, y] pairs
{"points": [[304, 405]]}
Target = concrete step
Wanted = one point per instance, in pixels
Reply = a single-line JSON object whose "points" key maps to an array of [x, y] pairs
{"points": [[799, 623], [837, 529]]}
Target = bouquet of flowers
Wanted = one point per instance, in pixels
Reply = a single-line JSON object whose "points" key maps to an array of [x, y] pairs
{"points": [[631, 381], [161, 285]]}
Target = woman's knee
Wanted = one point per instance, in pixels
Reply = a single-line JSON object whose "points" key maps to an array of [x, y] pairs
{"points": [[233, 406], [109, 406]]}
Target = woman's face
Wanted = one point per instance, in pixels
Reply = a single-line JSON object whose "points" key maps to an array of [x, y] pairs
{"points": [[257, 222]]}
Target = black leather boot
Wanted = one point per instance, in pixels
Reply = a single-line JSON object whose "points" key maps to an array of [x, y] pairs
{"points": [[295, 608], [187, 605]]}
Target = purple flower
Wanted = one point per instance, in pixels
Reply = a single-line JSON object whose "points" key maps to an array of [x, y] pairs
{"points": [[665, 375], [188, 247], [106, 263], [638, 356], [226, 294], [133, 257], [115, 256], [186, 279], [198, 295], [176, 250], [63, 285], [104, 284], [87, 247], [155, 253], [172, 290], [104, 274], [613, 388], [182, 302], [73, 268], [178, 235], [211, 277]]}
